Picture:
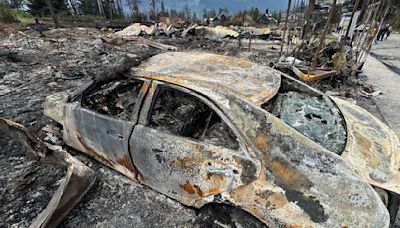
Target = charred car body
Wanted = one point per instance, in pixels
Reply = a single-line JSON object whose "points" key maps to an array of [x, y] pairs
{"points": [[204, 128]]}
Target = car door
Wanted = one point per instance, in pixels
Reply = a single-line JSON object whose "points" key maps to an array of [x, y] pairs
{"points": [[102, 122], [185, 148]]}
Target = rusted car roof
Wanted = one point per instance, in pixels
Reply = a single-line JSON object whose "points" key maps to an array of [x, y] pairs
{"points": [[241, 78]]}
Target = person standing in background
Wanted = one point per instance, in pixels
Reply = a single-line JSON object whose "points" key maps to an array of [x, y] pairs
{"points": [[389, 30]]}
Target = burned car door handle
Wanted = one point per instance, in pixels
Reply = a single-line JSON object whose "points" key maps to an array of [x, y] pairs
{"points": [[113, 134], [155, 150]]}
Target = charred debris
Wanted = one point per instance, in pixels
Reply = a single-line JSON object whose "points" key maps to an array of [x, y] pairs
{"points": [[311, 44]]}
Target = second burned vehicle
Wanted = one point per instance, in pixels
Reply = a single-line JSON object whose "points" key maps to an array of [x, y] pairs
{"points": [[204, 128]]}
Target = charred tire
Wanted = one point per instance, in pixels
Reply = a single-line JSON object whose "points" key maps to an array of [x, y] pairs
{"points": [[217, 215], [393, 207]]}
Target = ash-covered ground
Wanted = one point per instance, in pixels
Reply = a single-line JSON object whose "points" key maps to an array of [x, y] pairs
{"points": [[34, 66]]}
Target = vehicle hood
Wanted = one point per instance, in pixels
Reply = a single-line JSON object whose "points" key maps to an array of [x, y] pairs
{"points": [[372, 149]]}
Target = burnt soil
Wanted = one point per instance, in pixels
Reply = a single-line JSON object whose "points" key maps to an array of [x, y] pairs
{"points": [[33, 67]]}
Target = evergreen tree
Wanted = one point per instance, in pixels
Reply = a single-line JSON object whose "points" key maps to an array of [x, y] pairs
{"points": [[256, 13], [186, 11], [212, 13], [162, 12], [39, 7], [194, 17], [279, 16], [88, 7]]}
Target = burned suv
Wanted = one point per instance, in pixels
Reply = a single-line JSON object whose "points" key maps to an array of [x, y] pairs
{"points": [[204, 128]]}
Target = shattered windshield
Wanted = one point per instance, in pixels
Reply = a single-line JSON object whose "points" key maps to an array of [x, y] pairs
{"points": [[316, 117]]}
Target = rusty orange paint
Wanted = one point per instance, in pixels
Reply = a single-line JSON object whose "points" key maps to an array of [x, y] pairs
{"points": [[289, 175], [144, 88], [214, 191], [182, 163], [199, 191], [365, 148], [188, 188], [126, 162], [261, 141], [93, 152]]}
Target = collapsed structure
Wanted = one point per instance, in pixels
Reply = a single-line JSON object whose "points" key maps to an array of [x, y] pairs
{"points": [[342, 35]]}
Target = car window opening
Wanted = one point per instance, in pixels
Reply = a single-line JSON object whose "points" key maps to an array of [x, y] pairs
{"points": [[186, 115], [115, 98], [314, 116]]}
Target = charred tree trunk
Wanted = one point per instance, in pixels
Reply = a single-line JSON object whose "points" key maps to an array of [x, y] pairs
{"points": [[73, 7], [308, 17], [101, 9], [53, 13]]}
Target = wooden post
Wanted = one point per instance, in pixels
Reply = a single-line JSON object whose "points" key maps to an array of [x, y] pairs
{"points": [[311, 7], [352, 17], [284, 30], [290, 27], [383, 15], [322, 37]]}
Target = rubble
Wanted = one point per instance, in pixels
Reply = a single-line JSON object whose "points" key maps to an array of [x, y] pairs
{"points": [[212, 33], [218, 32], [73, 187], [70, 60]]}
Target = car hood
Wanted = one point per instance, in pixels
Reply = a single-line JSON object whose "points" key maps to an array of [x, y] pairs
{"points": [[372, 149]]}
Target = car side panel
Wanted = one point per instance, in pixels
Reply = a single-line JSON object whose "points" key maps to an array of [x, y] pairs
{"points": [[191, 172], [105, 138]]}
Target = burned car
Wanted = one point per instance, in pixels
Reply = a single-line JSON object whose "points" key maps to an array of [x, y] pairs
{"points": [[204, 128]]}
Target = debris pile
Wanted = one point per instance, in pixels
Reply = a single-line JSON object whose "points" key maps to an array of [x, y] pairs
{"points": [[211, 33]]}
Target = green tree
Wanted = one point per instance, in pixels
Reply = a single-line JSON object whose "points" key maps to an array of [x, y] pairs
{"points": [[187, 12], [39, 7], [162, 10], [194, 17], [212, 13], [153, 13], [279, 16], [88, 7], [256, 13]]}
